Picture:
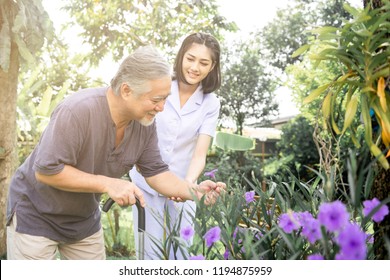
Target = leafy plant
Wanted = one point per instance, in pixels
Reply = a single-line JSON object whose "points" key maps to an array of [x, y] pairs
{"points": [[23, 23], [234, 142], [289, 221], [118, 233], [286, 32], [361, 48], [297, 150], [117, 27]]}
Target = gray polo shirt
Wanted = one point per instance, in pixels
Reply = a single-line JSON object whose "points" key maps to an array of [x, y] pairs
{"points": [[80, 133]]}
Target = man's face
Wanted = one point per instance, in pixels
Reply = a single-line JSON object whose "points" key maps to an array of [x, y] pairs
{"points": [[146, 106]]}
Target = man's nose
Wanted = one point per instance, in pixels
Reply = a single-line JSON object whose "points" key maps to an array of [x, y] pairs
{"points": [[160, 106]]}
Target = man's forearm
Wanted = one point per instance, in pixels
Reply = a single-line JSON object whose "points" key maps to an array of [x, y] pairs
{"points": [[73, 180]]}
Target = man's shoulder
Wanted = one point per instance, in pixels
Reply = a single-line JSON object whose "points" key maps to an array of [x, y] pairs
{"points": [[85, 100], [83, 104], [86, 95]]}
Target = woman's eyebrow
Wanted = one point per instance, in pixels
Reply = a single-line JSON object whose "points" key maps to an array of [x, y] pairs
{"points": [[202, 59]]}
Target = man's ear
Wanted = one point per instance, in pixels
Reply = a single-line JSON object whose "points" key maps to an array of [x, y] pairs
{"points": [[126, 90]]}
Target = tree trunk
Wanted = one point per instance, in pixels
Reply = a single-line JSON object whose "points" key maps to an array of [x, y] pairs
{"points": [[381, 190], [8, 155]]}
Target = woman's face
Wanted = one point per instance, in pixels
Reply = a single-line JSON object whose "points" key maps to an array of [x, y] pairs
{"points": [[197, 63]]}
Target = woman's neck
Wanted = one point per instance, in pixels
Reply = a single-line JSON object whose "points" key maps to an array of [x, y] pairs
{"points": [[187, 89], [185, 92]]}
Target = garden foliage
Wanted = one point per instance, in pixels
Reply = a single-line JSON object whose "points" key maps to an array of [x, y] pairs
{"points": [[291, 220]]}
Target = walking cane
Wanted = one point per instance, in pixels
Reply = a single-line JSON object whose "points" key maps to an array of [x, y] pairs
{"points": [[141, 225]]}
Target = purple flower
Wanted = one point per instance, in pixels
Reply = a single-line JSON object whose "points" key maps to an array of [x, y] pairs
{"points": [[211, 173], [334, 215], [250, 196], [187, 232], [369, 205], [238, 230], [212, 235], [352, 241], [289, 222], [258, 235], [311, 229], [315, 257], [198, 257], [347, 256], [304, 217], [226, 254]]}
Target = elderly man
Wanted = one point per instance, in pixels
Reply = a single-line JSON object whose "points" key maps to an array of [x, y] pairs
{"points": [[93, 138]]}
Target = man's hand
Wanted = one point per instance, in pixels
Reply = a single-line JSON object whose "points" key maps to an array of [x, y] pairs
{"points": [[124, 192], [71, 179]]}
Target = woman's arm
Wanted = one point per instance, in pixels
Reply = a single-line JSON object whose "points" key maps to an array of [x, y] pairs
{"points": [[198, 160], [170, 185]]}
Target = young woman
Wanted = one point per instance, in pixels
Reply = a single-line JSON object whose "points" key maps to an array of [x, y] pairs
{"points": [[185, 129]]}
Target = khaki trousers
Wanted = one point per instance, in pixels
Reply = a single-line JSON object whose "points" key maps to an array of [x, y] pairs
{"points": [[30, 247]]}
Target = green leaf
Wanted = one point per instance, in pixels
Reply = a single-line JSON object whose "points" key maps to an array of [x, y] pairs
{"points": [[346, 76], [324, 30], [234, 142], [363, 32], [286, 239], [379, 156], [381, 73], [354, 139], [23, 50], [366, 120], [332, 113], [44, 105], [326, 108], [59, 96], [351, 90], [300, 50], [351, 10], [20, 22], [350, 112], [352, 170], [334, 126], [328, 52], [315, 93]]}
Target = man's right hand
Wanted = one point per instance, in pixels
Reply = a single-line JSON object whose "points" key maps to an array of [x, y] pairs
{"points": [[124, 192], [72, 179]]}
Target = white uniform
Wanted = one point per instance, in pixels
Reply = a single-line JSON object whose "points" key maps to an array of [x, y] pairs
{"points": [[178, 130]]}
